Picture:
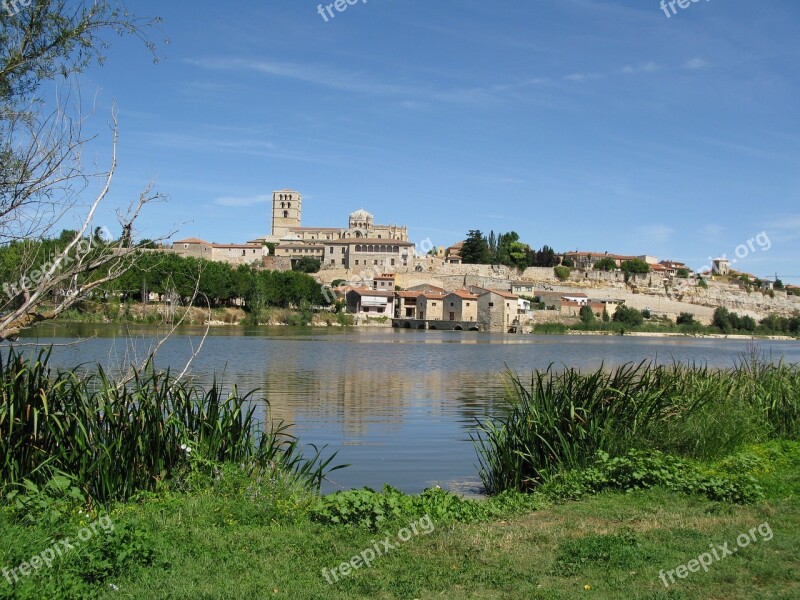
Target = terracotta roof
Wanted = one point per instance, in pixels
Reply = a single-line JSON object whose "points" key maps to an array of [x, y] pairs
{"points": [[406, 294], [432, 296], [386, 276], [191, 240], [508, 295], [600, 255], [463, 294]]}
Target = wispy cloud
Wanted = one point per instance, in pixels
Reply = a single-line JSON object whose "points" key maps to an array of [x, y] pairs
{"points": [[656, 233], [695, 63], [323, 76]]}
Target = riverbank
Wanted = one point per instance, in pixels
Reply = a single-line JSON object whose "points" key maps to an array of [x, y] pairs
{"points": [[230, 541], [675, 334]]}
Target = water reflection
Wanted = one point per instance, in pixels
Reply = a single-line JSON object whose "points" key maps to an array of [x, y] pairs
{"points": [[399, 405]]}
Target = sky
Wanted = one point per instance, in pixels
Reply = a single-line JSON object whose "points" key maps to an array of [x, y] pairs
{"points": [[610, 125]]}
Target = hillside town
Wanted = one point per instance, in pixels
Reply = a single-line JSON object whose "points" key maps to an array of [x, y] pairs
{"points": [[382, 277]]}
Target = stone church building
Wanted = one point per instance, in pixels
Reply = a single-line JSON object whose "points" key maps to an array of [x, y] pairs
{"points": [[359, 246]]}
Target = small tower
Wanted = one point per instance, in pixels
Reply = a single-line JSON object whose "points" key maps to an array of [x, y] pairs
{"points": [[286, 209]]}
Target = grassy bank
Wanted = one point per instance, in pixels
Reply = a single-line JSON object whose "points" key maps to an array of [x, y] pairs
{"points": [[157, 314], [603, 483]]}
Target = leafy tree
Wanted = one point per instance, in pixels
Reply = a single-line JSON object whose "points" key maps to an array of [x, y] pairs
{"points": [[475, 250], [683, 273], [685, 318], [636, 265], [722, 320], [568, 262], [41, 143], [306, 265], [586, 315], [606, 264], [628, 316], [546, 257], [778, 284]]}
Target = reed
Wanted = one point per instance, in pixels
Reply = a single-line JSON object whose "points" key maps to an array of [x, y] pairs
{"points": [[559, 420], [116, 441]]}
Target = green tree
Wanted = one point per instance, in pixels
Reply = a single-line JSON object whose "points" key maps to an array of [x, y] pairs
{"points": [[636, 265], [568, 262], [628, 316], [722, 320], [46, 42], [683, 273], [306, 265], [475, 250], [606, 264], [685, 318], [586, 315]]}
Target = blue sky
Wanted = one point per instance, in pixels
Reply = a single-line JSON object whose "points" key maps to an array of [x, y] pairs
{"points": [[581, 124]]}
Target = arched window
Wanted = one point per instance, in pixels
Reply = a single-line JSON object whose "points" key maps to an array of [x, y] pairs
{"points": [[358, 248], [286, 214], [289, 205], [396, 249], [383, 248], [282, 205]]}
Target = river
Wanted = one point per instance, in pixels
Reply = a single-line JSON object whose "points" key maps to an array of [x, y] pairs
{"points": [[398, 405]]}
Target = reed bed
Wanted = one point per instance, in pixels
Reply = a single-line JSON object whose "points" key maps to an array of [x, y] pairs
{"points": [[115, 441], [558, 420]]}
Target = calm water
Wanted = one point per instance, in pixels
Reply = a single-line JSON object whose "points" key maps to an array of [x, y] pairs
{"points": [[398, 405]]}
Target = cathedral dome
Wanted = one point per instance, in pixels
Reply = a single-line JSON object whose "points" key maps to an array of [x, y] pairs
{"points": [[361, 215]]}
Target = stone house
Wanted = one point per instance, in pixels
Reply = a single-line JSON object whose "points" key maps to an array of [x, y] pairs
{"points": [[460, 305], [430, 307], [406, 304], [234, 254], [497, 310]]}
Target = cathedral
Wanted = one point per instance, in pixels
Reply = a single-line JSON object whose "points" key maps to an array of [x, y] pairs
{"points": [[361, 244]]}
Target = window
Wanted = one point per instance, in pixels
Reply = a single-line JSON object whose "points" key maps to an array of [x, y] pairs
{"points": [[491, 303], [244, 252], [375, 262], [342, 261], [286, 214], [467, 303], [356, 262], [452, 304], [392, 262], [185, 246], [331, 249]]}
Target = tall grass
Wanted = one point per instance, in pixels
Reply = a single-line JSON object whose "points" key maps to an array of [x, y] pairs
{"points": [[116, 441], [559, 420]]}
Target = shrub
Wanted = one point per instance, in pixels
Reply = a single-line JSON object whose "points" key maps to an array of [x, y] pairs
{"points": [[562, 272], [628, 316], [685, 319]]}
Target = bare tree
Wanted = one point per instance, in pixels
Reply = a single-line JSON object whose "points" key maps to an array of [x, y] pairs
{"points": [[43, 180]]}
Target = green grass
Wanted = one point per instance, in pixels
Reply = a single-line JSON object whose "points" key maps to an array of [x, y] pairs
{"points": [[160, 429], [559, 420], [232, 539]]}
